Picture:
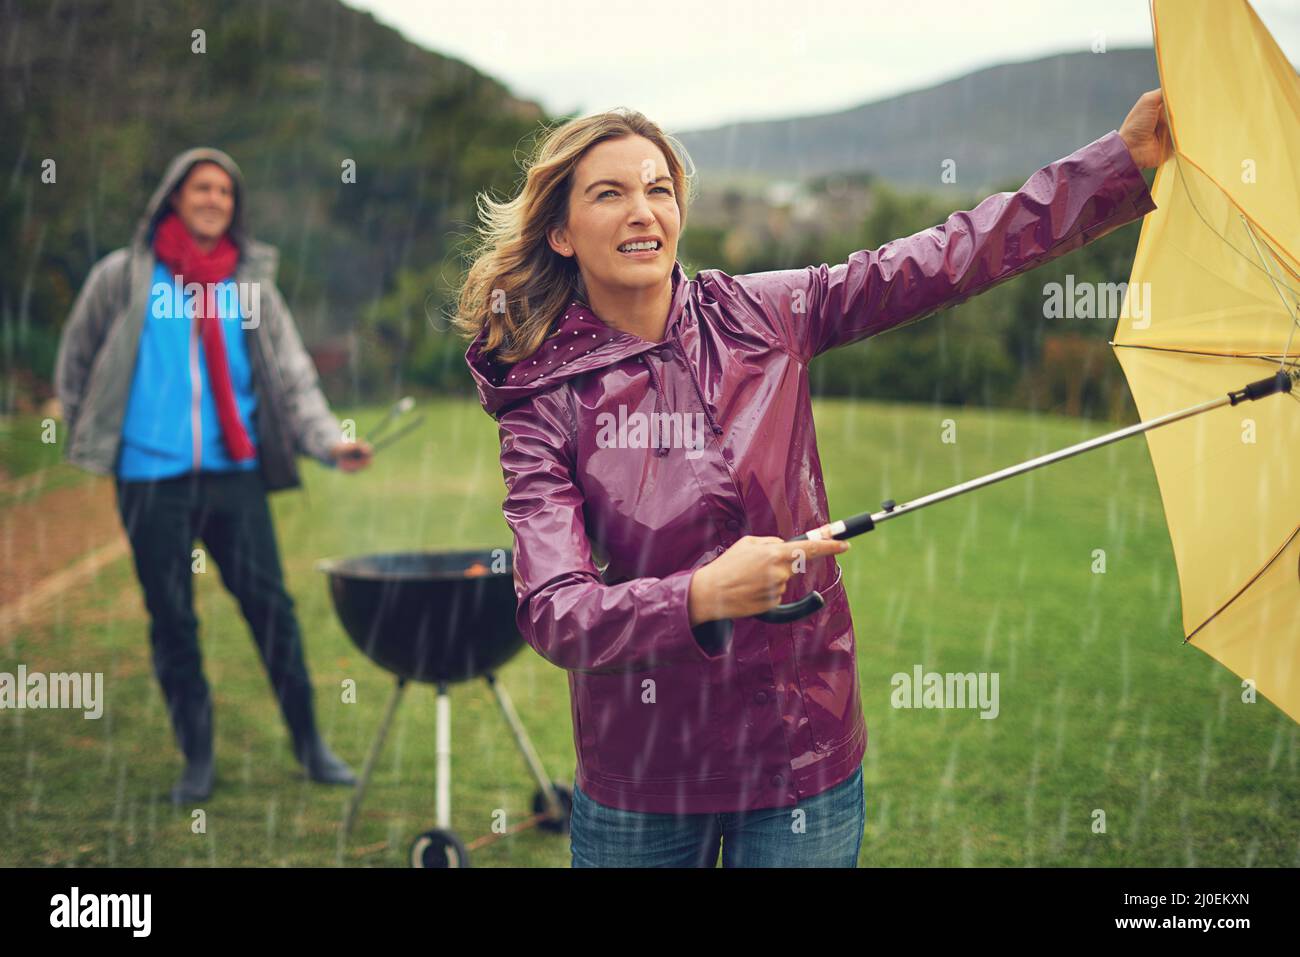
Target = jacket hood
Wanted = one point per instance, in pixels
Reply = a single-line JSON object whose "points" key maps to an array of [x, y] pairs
{"points": [[580, 342], [176, 172], [259, 259]]}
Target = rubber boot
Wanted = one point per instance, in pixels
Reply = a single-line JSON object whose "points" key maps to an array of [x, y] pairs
{"points": [[193, 725], [322, 764]]}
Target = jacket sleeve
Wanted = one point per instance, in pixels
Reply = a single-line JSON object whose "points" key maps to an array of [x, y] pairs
{"points": [[102, 294], [565, 610], [314, 428], [1063, 206]]}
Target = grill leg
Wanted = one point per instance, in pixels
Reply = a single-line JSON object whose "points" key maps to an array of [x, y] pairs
{"points": [[525, 746], [359, 792], [442, 782]]}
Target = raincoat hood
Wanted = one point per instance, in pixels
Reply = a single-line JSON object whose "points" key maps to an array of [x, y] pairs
{"points": [[579, 343]]}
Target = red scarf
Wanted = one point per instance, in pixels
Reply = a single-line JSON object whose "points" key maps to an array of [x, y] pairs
{"points": [[176, 249]]}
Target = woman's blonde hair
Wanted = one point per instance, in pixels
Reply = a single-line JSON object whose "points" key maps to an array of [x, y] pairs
{"points": [[517, 285]]}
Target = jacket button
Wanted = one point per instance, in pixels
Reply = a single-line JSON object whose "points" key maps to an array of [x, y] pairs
{"points": [[760, 697], [666, 355], [777, 780], [733, 525]]}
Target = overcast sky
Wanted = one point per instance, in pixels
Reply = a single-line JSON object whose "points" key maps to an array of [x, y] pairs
{"points": [[694, 63]]}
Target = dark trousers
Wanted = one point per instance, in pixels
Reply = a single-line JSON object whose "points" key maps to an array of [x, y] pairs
{"points": [[228, 512]]}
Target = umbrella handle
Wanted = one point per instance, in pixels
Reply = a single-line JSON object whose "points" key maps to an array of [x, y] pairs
{"points": [[793, 610], [813, 601]]}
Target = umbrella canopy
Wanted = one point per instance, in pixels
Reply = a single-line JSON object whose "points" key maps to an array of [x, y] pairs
{"points": [[1217, 272]]}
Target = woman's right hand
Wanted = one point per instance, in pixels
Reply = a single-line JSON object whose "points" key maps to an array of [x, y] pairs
{"points": [[751, 576]]}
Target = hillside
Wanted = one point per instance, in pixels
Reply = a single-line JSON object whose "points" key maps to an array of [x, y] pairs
{"points": [[111, 91], [1000, 123], [293, 89]]}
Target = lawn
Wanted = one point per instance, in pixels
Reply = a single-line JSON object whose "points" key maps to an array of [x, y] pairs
{"points": [[1102, 708]]}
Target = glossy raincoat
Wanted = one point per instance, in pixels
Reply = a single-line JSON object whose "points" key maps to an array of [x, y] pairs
{"points": [[629, 464]]}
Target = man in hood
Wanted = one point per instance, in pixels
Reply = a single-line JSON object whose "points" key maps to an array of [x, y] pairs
{"points": [[181, 374]]}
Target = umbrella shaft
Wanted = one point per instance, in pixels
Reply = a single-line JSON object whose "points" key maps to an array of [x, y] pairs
{"points": [[859, 524]]}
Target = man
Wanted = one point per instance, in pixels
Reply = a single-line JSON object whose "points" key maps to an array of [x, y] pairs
{"points": [[181, 373]]}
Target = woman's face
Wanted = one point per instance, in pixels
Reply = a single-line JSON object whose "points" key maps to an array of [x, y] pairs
{"points": [[621, 191]]}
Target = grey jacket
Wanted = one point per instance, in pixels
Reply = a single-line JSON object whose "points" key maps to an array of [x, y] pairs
{"points": [[97, 352]]}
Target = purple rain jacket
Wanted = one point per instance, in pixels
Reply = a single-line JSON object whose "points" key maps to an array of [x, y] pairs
{"points": [[609, 529]]}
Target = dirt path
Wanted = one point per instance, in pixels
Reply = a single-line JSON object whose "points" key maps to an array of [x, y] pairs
{"points": [[51, 541]]}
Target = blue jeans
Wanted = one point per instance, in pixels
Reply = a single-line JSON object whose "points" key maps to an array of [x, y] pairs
{"points": [[828, 833]]}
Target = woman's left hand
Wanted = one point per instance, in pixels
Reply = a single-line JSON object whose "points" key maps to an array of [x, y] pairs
{"points": [[1146, 130]]}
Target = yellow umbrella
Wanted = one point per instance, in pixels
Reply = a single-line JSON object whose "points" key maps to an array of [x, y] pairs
{"points": [[1216, 262], [1210, 310]]}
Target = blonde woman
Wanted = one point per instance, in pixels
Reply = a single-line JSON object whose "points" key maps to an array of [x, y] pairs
{"points": [[657, 445]]}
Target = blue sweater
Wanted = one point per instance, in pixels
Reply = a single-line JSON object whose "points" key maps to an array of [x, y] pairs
{"points": [[165, 403]]}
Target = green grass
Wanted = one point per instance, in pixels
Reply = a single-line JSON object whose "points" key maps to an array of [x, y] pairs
{"points": [[1102, 707]]}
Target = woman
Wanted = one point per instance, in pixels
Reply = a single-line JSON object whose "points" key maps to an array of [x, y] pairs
{"points": [[663, 425]]}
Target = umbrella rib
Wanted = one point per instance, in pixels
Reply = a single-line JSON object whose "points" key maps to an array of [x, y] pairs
{"points": [[1250, 233], [1286, 350], [1282, 548], [1265, 356], [1179, 158], [1292, 368]]}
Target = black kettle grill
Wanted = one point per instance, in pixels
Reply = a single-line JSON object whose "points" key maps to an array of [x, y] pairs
{"points": [[439, 618]]}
